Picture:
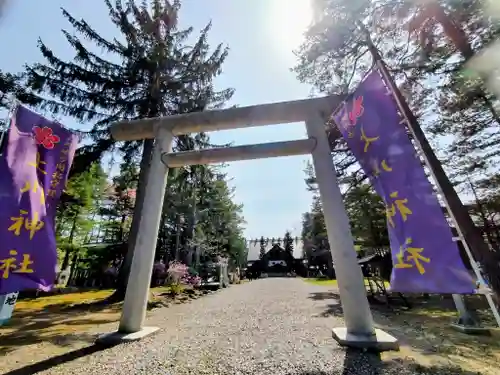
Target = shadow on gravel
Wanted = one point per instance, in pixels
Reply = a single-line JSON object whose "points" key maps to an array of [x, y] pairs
{"points": [[363, 363], [334, 308], [424, 331], [58, 360]]}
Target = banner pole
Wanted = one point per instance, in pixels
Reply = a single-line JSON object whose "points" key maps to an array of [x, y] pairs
{"points": [[459, 215]]}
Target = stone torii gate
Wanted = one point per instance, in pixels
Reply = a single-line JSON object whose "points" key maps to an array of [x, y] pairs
{"points": [[359, 329]]}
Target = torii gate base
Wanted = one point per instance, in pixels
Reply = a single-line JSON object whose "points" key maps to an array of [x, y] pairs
{"points": [[359, 331]]}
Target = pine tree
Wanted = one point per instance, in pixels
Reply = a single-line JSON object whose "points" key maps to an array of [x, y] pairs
{"points": [[12, 88], [467, 111], [367, 216], [334, 58], [288, 242], [74, 213], [315, 236], [262, 252], [152, 71]]}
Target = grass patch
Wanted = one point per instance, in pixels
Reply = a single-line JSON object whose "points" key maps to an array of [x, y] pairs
{"points": [[427, 337], [425, 333], [65, 321], [328, 282], [61, 300], [319, 281]]}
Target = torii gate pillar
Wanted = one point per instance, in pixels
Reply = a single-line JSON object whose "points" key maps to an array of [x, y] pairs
{"points": [[359, 329]]}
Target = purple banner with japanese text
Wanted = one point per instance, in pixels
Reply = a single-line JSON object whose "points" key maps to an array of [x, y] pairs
{"points": [[34, 168], [425, 257]]}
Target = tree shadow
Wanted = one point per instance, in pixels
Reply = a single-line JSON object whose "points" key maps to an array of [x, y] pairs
{"points": [[357, 362], [426, 327], [66, 323], [333, 308], [62, 328], [57, 360]]}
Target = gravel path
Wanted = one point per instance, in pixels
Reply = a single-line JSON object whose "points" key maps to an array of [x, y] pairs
{"points": [[268, 326]]}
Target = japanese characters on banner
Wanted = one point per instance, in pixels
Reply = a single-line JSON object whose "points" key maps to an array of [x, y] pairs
{"points": [[425, 257], [34, 169]]}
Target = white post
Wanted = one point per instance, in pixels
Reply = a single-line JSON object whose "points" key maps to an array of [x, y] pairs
{"points": [[359, 330], [136, 297]]}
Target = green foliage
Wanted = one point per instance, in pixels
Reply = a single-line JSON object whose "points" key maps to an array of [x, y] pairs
{"points": [[449, 102], [12, 87], [262, 251], [149, 70], [467, 113], [288, 242], [454, 107], [74, 213], [367, 216], [314, 232]]}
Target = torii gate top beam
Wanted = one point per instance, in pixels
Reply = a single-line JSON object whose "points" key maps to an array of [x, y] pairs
{"points": [[224, 119]]}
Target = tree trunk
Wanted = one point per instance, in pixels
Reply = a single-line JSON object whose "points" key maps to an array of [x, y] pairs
{"points": [[121, 286], [65, 262], [177, 239], [122, 228], [74, 265]]}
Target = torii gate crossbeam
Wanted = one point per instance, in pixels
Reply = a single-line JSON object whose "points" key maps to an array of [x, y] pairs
{"points": [[359, 328]]}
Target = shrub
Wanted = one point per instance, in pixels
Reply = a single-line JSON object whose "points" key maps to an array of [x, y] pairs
{"points": [[179, 273], [176, 272], [192, 280]]}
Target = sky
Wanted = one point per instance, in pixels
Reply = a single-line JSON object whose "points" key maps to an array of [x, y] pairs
{"points": [[261, 35]]}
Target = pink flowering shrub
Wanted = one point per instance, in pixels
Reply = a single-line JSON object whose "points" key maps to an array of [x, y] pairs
{"points": [[178, 273], [192, 280]]}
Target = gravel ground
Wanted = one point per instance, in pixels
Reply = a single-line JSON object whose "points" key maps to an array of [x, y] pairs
{"points": [[268, 326]]}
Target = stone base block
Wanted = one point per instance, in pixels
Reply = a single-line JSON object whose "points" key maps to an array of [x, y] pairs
{"points": [[381, 341], [470, 329], [117, 337]]}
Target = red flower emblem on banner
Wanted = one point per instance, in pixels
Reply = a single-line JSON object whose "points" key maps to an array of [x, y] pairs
{"points": [[45, 137], [357, 110], [350, 116]]}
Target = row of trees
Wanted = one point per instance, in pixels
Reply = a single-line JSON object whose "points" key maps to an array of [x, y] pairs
{"points": [[287, 242], [149, 69], [455, 107], [367, 217]]}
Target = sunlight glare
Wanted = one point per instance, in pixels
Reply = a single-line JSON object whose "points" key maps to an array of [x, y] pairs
{"points": [[289, 20]]}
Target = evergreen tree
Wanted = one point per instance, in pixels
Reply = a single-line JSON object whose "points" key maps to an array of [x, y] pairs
{"points": [[367, 216], [288, 242], [75, 212], [11, 89], [122, 198], [315, 237], [334, 58], [151, 71], [466, 110], [262, 252]]}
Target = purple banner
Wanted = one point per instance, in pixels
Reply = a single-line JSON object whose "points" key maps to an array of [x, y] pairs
{"points": [[34, 169], [425, 257]]}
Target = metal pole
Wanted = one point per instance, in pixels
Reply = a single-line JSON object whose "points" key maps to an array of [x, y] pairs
{"points": [[458, 213], [136, 297]]}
